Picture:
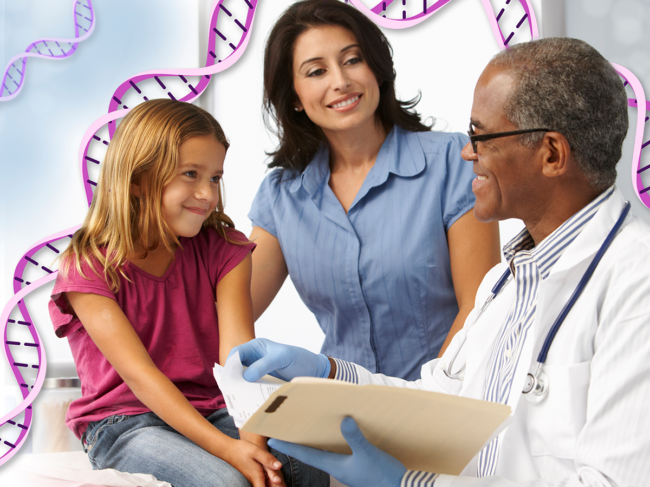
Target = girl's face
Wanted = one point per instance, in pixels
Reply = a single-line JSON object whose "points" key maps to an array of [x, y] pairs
{"points": [[335, 86], [193, 194]]}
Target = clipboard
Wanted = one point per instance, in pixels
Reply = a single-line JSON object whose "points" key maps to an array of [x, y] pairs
{"points": [[424, 430]]}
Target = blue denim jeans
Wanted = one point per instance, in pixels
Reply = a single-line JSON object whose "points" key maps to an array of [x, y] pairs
{"points": [[146, 444]]}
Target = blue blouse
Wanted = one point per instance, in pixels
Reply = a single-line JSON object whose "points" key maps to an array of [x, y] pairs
{"points": [[378, 278]]}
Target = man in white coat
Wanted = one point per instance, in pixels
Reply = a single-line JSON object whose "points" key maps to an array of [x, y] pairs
{"points": [[592, 426]]}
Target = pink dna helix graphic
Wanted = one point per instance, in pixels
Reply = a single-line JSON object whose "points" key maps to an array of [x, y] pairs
{"points": [[641, 189], [230, 25], [505, 25], [13, 79]]}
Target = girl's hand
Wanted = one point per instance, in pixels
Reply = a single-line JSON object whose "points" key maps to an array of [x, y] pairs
{"points": [[235, 310], [259, 467], [261, 441], [274, 478]]}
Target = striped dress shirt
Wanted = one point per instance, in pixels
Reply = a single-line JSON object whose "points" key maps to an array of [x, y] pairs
{"points": [[529, 264]]}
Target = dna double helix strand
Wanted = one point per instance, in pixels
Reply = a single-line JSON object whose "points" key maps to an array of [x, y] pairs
{"points": [[641, 188], [227, 40], [22, 343], [230, 24], [13, 79], [507, 25]]}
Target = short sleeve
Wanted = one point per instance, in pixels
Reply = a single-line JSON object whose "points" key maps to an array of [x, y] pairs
{"points": [[458, 197], [61, 313], [261, 214], [228, 255]]}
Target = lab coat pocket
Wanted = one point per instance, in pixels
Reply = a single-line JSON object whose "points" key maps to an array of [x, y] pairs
{"points": [[436, 380], [555, 423]]}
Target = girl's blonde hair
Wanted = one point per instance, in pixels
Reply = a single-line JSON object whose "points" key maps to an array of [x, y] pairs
{"points": [[144, 152]]}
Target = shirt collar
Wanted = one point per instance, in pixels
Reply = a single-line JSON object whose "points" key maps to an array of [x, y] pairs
{"points": [[315, 174], [549, 250], [400, 154]]}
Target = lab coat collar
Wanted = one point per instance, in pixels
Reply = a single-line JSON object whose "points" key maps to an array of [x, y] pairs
{"points": [[555, 291], [550, 250], [592, 236]]}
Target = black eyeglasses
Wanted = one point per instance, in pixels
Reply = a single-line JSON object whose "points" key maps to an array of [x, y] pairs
{"points": [[473, 138]]}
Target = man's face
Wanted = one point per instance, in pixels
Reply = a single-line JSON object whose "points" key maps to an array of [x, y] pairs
{"points": [[507, 174]]}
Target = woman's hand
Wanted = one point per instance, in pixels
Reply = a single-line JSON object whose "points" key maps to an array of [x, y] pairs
{"points": [[259, 466]]}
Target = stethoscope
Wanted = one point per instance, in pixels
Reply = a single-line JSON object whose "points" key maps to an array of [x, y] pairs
{"points": [[536, 385]]}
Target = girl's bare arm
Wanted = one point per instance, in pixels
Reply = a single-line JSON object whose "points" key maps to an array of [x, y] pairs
{"points": [[111, 331], [269, 270]]}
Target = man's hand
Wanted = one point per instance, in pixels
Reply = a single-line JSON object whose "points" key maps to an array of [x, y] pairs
{"points": [[367, 465], [285, 362]]}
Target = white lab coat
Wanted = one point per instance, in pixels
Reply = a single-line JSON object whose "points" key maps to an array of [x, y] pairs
{"points": [[593, 428]]}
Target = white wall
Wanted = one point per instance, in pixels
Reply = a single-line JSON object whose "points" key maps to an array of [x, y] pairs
{"points": [[41, 191], [441, 57]]}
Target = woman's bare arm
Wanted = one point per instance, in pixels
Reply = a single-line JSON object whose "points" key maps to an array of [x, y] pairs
{"points": [[473, 251]]}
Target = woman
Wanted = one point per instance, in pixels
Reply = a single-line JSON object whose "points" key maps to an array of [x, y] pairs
{"points": [[368, 211]]}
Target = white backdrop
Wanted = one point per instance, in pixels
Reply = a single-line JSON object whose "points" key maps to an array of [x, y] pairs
{"points": [[41, 191], [442, 58]]}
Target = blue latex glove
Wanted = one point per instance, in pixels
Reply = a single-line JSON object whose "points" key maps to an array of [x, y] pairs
{"points": [[367, 465], [263, 357]]}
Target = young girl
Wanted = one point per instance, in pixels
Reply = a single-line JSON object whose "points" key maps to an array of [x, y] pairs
{"points": [[135, 296]]}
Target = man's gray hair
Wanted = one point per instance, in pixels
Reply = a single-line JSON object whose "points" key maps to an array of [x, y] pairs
{"points": [[565, 85]]}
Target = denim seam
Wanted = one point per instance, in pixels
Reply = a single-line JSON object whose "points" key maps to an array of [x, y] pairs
{"points": [[92, 439], [295, 479]]}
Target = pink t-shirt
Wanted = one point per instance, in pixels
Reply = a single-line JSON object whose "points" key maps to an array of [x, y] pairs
{"points": [[175, 317]]}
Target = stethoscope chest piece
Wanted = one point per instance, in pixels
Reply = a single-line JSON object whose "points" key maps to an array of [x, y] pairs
{"points": [[536, 387]]}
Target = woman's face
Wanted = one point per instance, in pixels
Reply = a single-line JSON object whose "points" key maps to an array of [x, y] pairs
{"points": [[335, 86]]}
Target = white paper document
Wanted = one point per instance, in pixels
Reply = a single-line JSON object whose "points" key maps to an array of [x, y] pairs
{"points": [[243, 398]]}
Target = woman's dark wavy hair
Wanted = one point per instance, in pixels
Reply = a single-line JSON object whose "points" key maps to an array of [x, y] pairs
{"points": [[299, 136]]}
